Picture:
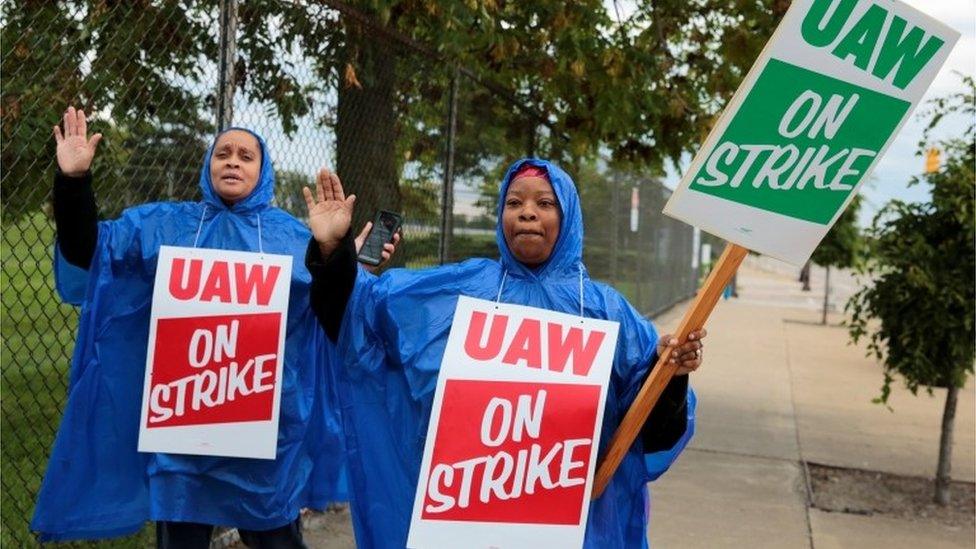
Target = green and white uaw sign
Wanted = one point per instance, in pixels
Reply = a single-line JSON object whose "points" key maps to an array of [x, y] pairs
{"points": [[817, 110]]}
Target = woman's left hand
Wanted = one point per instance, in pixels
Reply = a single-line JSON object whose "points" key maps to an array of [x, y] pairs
{"points": [[688, 356], [388, 249]]}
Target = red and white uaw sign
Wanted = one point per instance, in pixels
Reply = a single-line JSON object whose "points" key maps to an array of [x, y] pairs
{"points": [[514, 431], [216, 348]]}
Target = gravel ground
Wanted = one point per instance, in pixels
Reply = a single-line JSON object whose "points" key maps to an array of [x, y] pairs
{"points": [[870, 492], [329, 530]]}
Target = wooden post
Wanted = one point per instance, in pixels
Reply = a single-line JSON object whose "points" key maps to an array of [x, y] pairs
{"points": [[663, 371]]}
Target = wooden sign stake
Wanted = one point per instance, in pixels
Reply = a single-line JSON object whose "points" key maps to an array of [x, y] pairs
{"points": [[663, 371]]}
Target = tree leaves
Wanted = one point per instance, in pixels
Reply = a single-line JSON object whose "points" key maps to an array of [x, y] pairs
{"points": [[843, 245], [644, 89], [136, 65], [918, 315]]}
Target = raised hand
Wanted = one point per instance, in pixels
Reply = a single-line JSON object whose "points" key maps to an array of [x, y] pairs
{"points": [[688, 356], [388, 248], [75, 149], [330, 215]]}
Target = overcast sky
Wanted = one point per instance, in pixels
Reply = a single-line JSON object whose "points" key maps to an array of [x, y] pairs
{"points": [[900, 163], [890, 178]]}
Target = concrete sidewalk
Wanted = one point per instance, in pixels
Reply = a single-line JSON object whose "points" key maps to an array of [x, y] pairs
{"points": [[777, 390]]}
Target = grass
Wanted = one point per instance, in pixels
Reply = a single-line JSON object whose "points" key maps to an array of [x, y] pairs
{"points": [[38, 334], [38, 337], [37, 340]]}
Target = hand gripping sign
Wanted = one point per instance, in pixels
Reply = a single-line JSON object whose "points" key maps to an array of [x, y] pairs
{"points": [[514, 430], [216, 348], [816, 112]]}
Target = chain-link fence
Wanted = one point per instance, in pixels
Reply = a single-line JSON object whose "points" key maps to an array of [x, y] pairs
{"points": [[325, 86]]}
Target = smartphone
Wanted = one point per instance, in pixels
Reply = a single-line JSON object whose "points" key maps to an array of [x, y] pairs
{"points": [[385, 225]]}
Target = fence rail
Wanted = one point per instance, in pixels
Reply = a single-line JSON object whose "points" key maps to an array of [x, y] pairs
{"points": [[326, 86]]}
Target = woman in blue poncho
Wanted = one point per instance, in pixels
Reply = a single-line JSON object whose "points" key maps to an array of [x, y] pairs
{"points": [[394, 331], [96, 484]]}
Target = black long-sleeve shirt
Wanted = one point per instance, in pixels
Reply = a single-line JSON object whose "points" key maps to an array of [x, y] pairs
{"points": [[76, 221], [332, 283], [75, 218]]}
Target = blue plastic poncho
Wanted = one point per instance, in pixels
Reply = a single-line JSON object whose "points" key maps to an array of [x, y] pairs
{"points": [[97, 485], [392, 340]]}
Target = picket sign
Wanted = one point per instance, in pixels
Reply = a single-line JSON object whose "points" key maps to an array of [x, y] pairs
{"points": [[215, 354], [514, 429], [814, 115]]}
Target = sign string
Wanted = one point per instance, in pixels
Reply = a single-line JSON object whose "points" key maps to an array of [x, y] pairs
{"points": [[501, 286], [580, 266], [200, 226], [260, 242], [203, 215]]}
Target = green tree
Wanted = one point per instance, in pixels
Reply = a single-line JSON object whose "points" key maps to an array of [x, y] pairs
{"points": [[646, 88], [841, 248], [558, 78], [118, 61], [923, 264], [289, 195]]}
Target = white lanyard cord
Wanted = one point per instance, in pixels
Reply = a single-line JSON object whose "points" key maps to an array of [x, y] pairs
{"points": [[196, 239], [260, 241], [200, 226], [502, 285], [580, 266]]}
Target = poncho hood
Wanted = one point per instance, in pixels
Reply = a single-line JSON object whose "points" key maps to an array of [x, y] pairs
{"points": [[567, 254], [392, 342], [259, 199], [97, 484]]}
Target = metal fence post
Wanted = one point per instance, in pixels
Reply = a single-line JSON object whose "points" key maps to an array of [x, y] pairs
{"points": [[228, 55], [614, 225], [447, 189], [641, 258], [530, 143], [170, 130]]}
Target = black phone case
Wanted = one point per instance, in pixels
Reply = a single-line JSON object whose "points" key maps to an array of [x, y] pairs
{"points": [[380, 234]]}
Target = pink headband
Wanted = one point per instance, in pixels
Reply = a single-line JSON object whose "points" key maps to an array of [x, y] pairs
{"points": [[528, 170]]}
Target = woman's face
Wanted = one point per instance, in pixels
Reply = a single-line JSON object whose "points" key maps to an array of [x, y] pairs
{"points": [[530, 220], [235, 165]]}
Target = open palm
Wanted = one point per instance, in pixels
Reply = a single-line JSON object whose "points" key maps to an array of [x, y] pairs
{"points": [[329, 212], [75, 150]]}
